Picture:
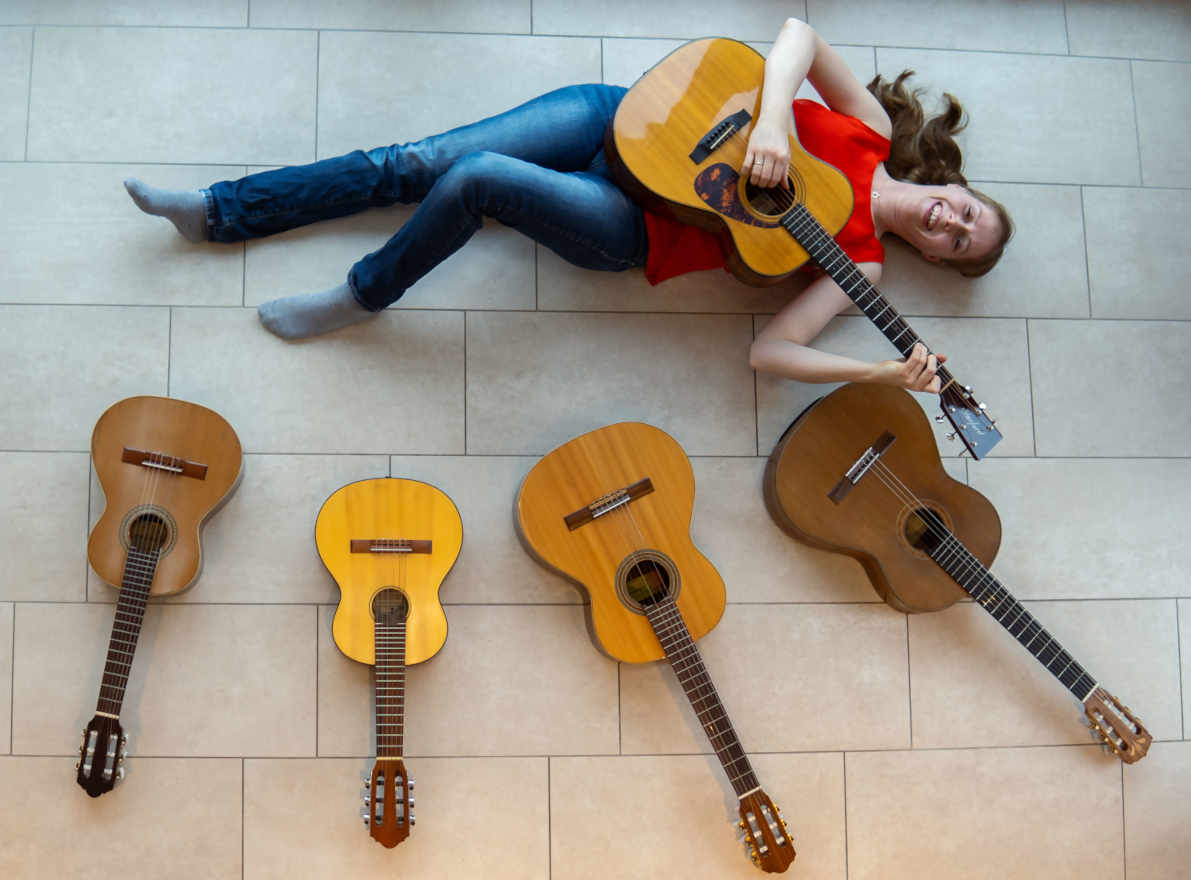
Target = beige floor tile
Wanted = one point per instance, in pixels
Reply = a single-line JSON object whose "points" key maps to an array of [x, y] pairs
{"points": [[537, 380], [1083, 405], [1132, 236], [1113, 528], [1049, 812], [6, 633], [495, 270], [380, 88], [511, 680], [1184, 612], [82, 240], [42, 542], [1042, 275], [990, 354], [178, 13], [1163, 106], [776, 666], [111, 95], [1157, 813], [393, 384], [492, 567], [207, 680], [475, 818], [259, 547], [970, 24], [16, 45], [65, 365], [758, 561], [680, 815], [1142, 29], [974, 685], [170, 819], [1041, 100], [623, 18], [456, 16]]}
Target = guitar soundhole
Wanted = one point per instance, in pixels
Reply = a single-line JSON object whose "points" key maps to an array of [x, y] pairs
{"points": [[774, 201], [390, 606], [925, 529], [148, 529], [646, 578]]}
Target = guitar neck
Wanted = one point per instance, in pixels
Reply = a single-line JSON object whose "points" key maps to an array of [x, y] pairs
{"points": [[389, 687], [824, 250], [978, 582], [139, 570], [687, 664]]}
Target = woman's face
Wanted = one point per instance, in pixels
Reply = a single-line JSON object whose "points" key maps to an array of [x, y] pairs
{"points": [[949, 223]]}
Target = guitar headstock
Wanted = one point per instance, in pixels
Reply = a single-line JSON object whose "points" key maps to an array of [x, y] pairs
{"points": [[101, 755], [765, 833], [969, 418], [1117, 726], [388, 802]]}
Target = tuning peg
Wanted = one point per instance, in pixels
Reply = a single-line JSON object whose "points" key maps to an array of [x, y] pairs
{"points": [[364, 814], [940, 418], [367, 800], [365, 776], [411, 802], [968, 388], [951, 436], [78, 763], [120, 772], [412, 782], [413, 820]]}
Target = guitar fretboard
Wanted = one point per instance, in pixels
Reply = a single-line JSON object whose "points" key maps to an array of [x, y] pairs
{"points": [[139, 570], [389, 686], [969, 573], [687, 664], [824, 250]]}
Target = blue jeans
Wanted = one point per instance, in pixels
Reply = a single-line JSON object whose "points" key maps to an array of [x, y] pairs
{"points": [[539, 168]]}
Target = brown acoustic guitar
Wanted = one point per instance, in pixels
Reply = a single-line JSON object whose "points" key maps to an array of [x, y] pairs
{"points": [[611, 510], [859, 473], [389, 543], [164, 466], [676, 143]]}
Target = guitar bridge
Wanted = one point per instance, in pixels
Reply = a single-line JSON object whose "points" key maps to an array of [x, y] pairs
{"points": [[860, 467], [160, 461], [608, 503], [390, 545], [715, 138]]}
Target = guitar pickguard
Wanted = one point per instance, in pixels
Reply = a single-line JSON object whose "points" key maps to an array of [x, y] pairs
{"points": [[718, 186]]}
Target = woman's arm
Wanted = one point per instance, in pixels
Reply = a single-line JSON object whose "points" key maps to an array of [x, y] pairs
{"points": [[782, 347], [799, 53]]}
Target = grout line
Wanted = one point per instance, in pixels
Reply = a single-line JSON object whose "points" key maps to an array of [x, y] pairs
{"points": [[465, 444], [1087, 260], [549, 822], [909, 683], [1178, 643], [619, 711], [1030, 390], [12, 681], [243, 830], [318, 58], [844, 757], [1136, 124], [1124, 838], [1066, 29], [169, 349], [29, 91], [317, 610]]}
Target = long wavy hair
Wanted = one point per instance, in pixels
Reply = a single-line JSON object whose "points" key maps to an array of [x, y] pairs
{"points": [[924, 151]]}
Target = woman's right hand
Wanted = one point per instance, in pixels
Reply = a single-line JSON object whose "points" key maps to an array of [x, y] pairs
{"points": [[916, 372], [767, 160]]}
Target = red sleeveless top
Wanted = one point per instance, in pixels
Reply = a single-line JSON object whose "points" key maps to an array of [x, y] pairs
{"points": [[843, 141]]}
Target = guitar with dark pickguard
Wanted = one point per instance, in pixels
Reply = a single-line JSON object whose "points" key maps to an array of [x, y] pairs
{"points": [[389, 543], [859, 473], [680, 135], [164, 466], [611, 510]]}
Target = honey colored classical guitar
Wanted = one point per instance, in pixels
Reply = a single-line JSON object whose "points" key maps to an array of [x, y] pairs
{"points": [[389, 544], [677, 143], [859, 473], [611, 510], [165, 466]]}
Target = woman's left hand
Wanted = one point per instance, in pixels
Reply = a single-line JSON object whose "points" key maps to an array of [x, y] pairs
{"points": [[767, 160]]}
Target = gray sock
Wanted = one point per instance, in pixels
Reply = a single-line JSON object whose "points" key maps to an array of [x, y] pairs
{"points": [[296, 317], [185, 208]]}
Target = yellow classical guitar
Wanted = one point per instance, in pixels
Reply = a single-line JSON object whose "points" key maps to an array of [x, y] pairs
{"points": [[389, 544], [611, 510]]}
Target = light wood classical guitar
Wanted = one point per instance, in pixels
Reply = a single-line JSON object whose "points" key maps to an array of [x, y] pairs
{"points": [[611, 510], [676, 145], [859, 473], [165, 466], [389, 544]]}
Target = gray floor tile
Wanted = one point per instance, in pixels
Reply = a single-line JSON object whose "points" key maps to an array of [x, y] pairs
{"points": [[1111, 388], [16, 45], [6, 624], [969, 24], [112, 95], [175, 13], [759, 20], [1028, 123], [1156, 813], [457, 16], [1163, 109], [1157, 29], [537, 380], [1135, 237]]}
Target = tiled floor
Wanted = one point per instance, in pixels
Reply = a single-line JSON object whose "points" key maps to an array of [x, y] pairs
{"points": [[925, 747]]}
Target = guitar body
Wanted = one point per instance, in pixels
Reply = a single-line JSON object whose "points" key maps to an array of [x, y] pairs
{"points": [[389, 509], [167, 430], [648, 534], [870, 523], [663, 118]]}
